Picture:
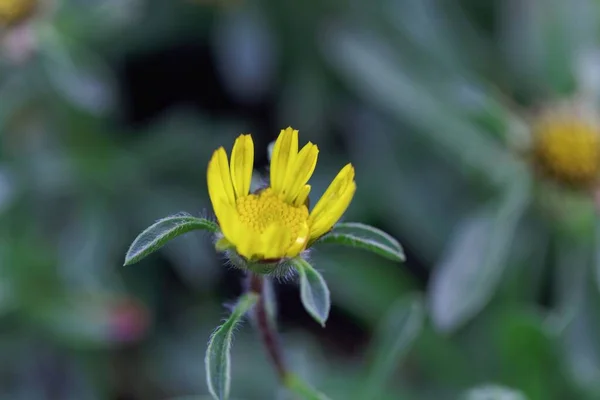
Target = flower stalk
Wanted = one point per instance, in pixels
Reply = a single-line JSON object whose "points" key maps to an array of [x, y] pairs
{"points": [[268, 334]]}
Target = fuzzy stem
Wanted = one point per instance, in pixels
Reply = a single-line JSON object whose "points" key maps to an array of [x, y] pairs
{"points": [[267, 331]]}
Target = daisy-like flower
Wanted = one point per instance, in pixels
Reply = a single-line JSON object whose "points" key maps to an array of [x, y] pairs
{"points": [[15, 11], [273, 223], [267, 233], [566, 146]]}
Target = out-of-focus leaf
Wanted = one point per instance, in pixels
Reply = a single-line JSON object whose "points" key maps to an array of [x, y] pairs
{"points": [[218, 357], [596, 268], [99, 19], [351, 277], [573, 259], [8, 291], [199, 398], [366, 237], [529, 356], [407, 206], [16, 91], [580, 329], [588, 74], [76, 73], [81, 321], [244, 51], [468, 274], [86, 246], [571, 213], [314, 292], [542, 40], [306, 101], [577, 317], [157, 235], [373, 68], [306, 392], [493, 392], [392, 341]]}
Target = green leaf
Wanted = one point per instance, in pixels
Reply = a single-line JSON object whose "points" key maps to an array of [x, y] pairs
{"points": [[298, 386], [218, 358], [76, 73], [529, 355], [157, 235], [196, 398], [391, 342], [468, 274], [373, 69], [314, 292], [492, 392], [365, 237], [576, 313]]}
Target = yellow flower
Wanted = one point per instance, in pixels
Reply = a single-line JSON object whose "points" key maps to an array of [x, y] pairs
{"points": [[15, 11], [566, 147], [274, 223]]}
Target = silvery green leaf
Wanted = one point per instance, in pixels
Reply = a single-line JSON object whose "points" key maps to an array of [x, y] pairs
{"points": [[245, 53], [157, 235], [365, 237], [206, 397], [314, 292], [493, 392], [577, 312], [298, 386], [542, 42], [373, 68], [596, 267], [76, 73], [392, 340], [467, 275], [218, 358]]}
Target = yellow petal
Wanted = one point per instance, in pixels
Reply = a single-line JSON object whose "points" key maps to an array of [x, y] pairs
{"points": [[303, 168], [302, 196], [247, 242], [220, 188], [284, 154], [334, 202], [242, 161], [228, 221], [274, 241], [300, 243], [327, 220], [248, 246]]}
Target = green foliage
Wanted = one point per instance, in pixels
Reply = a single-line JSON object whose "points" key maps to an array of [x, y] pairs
{"points": [[158, 234], [469, 274], [365, 237], [429, 100], [314, 292], [296, 385], [218, 357], [392, 341], [493, 392]]}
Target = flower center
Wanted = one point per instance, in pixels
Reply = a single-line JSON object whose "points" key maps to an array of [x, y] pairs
{"points": [[265, 209], [568, 149]]}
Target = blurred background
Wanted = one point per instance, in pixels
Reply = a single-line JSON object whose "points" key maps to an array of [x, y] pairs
{"points": [[110, 110]]}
